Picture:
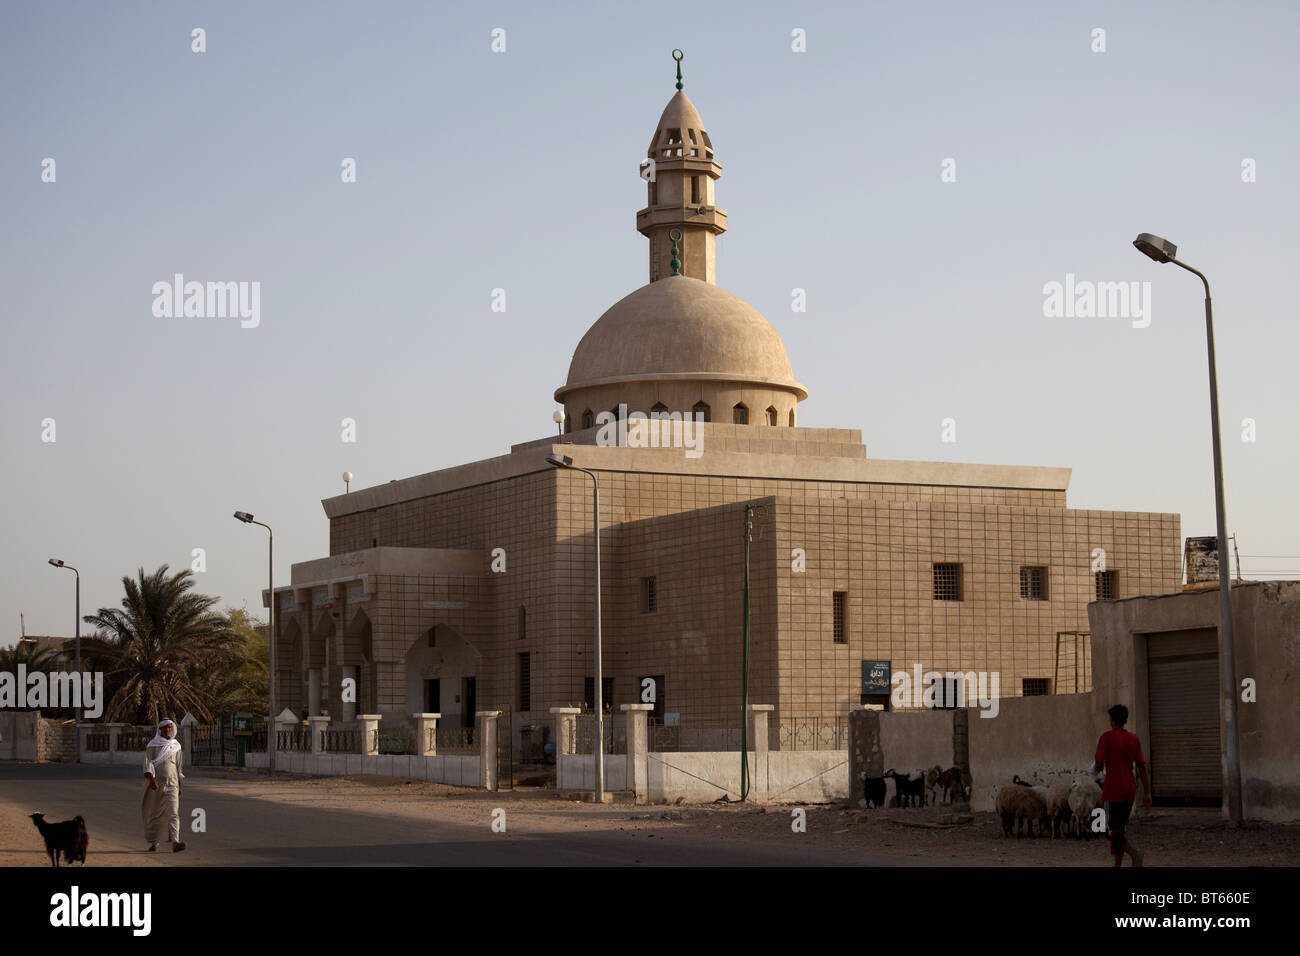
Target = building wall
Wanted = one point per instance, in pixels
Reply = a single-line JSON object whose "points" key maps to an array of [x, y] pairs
{"points": [[875, 539], [882, 554], [1266, 624]]}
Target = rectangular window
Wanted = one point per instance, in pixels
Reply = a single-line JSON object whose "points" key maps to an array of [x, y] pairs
{"points": [[839, 616], [1107, 585], [1033, 583], [654, 194], [947, 582], [525, 681], [1034, 686], [695, 189], [589, 693], [945, 693], [649, 600]]}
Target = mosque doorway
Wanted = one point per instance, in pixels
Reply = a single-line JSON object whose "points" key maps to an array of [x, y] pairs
{"points": [[441, 672]]}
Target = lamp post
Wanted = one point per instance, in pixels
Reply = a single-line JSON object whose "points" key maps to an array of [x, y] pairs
{"points": [[564, 461], [247, 518], [77, 643], [1162, 250]]}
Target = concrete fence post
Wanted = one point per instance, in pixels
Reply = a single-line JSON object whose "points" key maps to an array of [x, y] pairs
{"points": [[638, 750], [758, 785], [113, 731], [318, 727], [426, 734], [370, 733], [566, 732], [487, 748], [84, 731]]}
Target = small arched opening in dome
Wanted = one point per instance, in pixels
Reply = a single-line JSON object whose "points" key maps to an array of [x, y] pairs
{"points": [[659, 410], [700, 411], [771, 414], [588, 420], [740, 414]]}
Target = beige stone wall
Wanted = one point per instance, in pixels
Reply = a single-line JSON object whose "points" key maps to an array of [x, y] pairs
{"points": [[882, 553], [875, 539], [1266, 623], [56, 740]]}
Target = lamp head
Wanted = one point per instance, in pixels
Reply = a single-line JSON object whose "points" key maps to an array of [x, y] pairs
{"points": [[1161, 250], [244, 516], [559, 461], [557, 416], [56, 562]]}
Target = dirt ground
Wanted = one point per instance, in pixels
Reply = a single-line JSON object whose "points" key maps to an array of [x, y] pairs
{"points": [[1168, 837]]}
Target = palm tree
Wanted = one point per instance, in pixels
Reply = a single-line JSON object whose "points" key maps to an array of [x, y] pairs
{"points": [[27, 653], [163, 645]]}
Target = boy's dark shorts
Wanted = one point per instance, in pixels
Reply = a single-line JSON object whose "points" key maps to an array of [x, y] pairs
{"points": [[1117, 814]]}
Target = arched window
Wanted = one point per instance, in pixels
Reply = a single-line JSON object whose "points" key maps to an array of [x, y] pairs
{"points": [[792, 418], [700, 412], [659, 409], [739, 414], [588, 421], [771, 414]]}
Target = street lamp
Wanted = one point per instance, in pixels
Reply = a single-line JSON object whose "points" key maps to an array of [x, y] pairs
{"points": [[564, 461], [247, 518], [77, 642], [1162, 250]]}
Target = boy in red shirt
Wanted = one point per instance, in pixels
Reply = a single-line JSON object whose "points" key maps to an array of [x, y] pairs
{"points": [[1117, 751]]}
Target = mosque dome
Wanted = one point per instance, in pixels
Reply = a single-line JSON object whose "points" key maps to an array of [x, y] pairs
{"points": [[681, 329]]}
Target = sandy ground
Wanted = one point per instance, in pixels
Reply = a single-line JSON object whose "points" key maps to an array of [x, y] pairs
{"points": [[1168, 837]]}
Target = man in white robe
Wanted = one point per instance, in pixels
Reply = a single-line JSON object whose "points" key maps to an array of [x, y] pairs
{"points": [[162, 793]]}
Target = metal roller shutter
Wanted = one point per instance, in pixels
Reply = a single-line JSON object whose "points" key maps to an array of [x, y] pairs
{"points": [[1183, 694]]}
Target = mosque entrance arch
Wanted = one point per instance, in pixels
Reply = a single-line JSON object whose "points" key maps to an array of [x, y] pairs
{"points": [[442, 670]]}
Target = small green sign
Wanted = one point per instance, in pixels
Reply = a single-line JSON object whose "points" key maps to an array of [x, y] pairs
{"points": [[241, 725]]}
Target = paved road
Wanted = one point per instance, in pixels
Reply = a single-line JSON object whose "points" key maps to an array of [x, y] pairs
{"points": [[244, 831]]}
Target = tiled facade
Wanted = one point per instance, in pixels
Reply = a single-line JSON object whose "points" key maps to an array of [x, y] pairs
{"points": [[681, 521]]}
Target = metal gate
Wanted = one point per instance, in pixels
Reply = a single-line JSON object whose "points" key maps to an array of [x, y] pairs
{"points": [[1183, 694], [214, 746], [505, 753]]}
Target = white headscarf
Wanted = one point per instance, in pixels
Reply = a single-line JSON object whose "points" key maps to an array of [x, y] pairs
{"points": [[168, 746]]}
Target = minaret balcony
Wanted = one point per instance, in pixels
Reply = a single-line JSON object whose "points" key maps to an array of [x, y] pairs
{"points": [[710, 217]]}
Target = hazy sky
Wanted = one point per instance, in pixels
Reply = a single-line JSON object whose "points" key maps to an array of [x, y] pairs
{"points": [[517, 170]]}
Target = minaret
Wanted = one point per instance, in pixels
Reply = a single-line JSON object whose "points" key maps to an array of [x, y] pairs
{"points": [[681, 196]]}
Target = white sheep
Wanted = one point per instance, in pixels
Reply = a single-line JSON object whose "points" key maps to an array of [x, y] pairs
{"points": [[1017, 803], [1058, 805], [1085, 797]]}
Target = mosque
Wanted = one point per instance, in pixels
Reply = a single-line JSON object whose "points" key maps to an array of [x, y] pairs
{"points": [[471, 587]]}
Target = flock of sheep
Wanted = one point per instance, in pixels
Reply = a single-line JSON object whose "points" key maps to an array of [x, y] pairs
{"points": [[1064, 806]]}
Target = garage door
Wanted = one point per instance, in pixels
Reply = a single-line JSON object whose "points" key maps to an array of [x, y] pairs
{"points": [[1183, 693]]}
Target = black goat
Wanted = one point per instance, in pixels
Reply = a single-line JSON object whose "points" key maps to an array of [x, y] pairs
{"points": [[874, 788], [909, 789], [68, 837]]}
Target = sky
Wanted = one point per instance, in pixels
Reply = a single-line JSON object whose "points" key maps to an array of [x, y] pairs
{"points": [[923, 172]]}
